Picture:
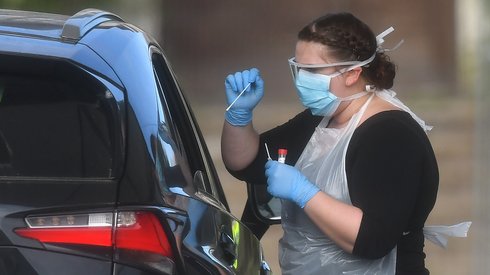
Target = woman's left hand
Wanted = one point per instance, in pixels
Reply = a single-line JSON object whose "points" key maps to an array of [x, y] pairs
{"points": [[287, 182]]}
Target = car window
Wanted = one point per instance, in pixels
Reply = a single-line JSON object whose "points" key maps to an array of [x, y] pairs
{"points": [[170, 157], [55, 121], [187, 131]]}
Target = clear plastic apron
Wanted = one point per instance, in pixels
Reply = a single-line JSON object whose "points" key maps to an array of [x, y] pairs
{"points": [[305, 249]]}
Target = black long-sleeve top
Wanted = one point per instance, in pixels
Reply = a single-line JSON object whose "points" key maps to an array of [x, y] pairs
{"points": [[392, 177]]}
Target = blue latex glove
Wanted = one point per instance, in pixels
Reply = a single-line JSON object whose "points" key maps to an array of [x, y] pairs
{"points": [[287, 182], [240, 114]]}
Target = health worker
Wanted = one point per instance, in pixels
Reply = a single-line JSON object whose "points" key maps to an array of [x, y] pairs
{"points": [[360, 176]]}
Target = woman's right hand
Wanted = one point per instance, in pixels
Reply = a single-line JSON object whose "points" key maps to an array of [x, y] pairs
{"points": [[240, 114]]}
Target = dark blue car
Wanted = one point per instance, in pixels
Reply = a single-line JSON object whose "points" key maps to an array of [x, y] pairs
{"points": [[103, 169]]}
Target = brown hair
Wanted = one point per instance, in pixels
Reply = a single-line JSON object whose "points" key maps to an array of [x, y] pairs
{"points": [[351, 39]]}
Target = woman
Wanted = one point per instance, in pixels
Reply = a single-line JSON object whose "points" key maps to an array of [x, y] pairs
{"points": [[360, 177]]}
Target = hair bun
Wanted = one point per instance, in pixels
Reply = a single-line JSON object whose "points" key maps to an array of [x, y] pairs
{"points": [[352, 40]]}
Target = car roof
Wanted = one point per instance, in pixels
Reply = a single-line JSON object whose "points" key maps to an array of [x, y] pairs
{"points": [[97, 41], [91, 37], [52, 26]]}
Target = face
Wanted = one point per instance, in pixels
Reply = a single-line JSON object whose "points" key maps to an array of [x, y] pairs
{"points": [[315, 53]]}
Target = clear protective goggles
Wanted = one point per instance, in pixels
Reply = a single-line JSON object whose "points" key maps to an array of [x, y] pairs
{"points": [[348, 65]]}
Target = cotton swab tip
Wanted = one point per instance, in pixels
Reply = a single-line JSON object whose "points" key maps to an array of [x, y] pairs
{"points": [[239, 95], [267, 150]]}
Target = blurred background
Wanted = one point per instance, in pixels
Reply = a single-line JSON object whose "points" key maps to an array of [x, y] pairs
{"points": [[442, 76]]}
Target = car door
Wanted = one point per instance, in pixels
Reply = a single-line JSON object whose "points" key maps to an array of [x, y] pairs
{"points": [[214, 235]]}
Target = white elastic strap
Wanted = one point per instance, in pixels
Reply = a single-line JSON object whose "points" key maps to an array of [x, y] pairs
{"points": [[380, 40], [391, 49], [360, 64], [380, 37], [352, 97], [370, 88]]}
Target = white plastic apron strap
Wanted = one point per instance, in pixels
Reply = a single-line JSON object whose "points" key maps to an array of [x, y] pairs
{"points": [[439, 234], [390, 96]]}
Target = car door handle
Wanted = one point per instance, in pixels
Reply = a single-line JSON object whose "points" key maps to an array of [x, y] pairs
{"points": [[228, 246]]}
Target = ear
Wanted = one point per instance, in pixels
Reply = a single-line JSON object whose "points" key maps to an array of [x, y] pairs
{"points": [[352, 76]]}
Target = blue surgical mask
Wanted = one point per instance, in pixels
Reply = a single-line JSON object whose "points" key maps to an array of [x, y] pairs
{"points": [[314, 92]]}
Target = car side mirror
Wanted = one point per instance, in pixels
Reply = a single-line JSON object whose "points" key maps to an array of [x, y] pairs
{"points": [[266, 208]]}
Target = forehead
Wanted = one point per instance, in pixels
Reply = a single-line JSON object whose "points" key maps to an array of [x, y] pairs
{"points": [[312, 53]]}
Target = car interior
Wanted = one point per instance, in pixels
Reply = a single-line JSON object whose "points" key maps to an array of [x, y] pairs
{"points": [[36, 145]]}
